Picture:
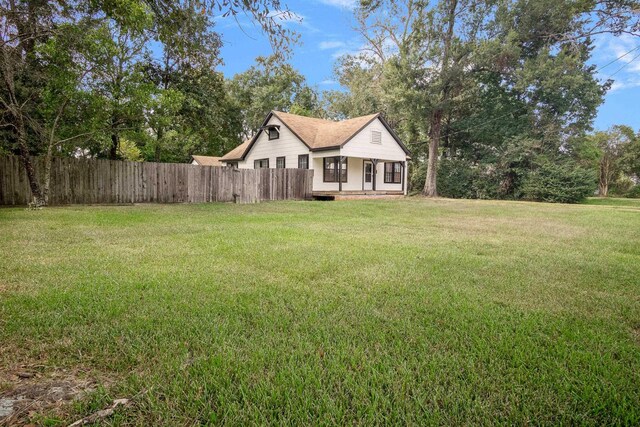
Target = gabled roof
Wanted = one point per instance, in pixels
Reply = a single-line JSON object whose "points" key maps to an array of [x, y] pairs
{"points": [[238, 152], [316, 134], [207, 160]]}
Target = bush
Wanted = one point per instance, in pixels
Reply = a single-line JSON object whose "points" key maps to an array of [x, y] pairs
{"points": [[559, 182], [633, 193], [455, 179]]}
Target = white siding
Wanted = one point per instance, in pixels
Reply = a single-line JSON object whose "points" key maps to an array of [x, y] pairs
{"points": [[380, 184], [288, 145], [361, 145], [354, 176]]}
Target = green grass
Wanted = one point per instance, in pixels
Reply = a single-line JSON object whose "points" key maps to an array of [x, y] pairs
{"points": [[612, 201], [359, 312]]}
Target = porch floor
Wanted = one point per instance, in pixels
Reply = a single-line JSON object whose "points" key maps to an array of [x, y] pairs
{"points": [[361, 194]]}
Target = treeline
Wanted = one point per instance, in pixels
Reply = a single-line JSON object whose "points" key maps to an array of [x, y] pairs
{"points": [[496, 98], [135, 79]]}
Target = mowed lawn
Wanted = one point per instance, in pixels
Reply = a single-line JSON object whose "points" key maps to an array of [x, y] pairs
{"points": [[357, 312]]}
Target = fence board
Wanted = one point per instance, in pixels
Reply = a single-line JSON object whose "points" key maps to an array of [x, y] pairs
{"points": [[93, 181]]}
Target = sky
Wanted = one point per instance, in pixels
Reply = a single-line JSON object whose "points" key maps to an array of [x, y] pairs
{"points": [[326, 29]]}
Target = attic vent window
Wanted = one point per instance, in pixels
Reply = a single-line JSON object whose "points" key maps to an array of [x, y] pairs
{"points": [[376, 137], [274, 133]]}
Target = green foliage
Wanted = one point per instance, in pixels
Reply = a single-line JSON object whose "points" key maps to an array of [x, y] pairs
{"points": [[270, 85], [128, 150], [633, 192], [78, 77], [456, 179], [502, 91], [559, 182]]}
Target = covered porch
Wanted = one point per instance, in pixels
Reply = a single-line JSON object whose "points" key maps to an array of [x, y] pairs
{"points": [[358, 176]]}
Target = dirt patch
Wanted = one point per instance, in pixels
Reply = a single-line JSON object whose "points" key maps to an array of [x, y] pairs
{"points": [[26, 392]]}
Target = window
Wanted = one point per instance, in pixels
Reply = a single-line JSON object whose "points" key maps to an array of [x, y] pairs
{"points": [[280, 162], [331, 170], [233, 165], [274, 133], [303, 161], [376, 137], [261, 164], [393, 173]]}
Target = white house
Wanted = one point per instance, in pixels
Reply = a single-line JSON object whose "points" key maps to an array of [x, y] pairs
{"points": [[362, 155]]}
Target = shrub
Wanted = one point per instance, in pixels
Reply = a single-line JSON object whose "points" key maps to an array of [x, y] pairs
{"points": [[455, 179], [634, 192], [562, 181]]}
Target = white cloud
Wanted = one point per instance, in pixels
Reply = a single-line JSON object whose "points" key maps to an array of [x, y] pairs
{"points": [[328, 82], [625, 83], [345, 4], [331, 45], [617, 55]]}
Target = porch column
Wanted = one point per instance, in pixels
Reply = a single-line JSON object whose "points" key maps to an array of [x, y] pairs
{"points": [[403, 177], [340, 160], [374, 162]]}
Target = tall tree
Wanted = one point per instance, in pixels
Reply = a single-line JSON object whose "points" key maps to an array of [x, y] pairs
{"points": [[271, 84], [613, 149], [28, 25], [519, 64]]}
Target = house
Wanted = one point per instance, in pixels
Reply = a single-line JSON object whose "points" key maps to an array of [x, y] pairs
{"points": [[362, 155], [206, 161]]}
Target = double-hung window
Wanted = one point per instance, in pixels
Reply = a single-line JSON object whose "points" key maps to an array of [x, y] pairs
{"points": [[393, 173], [261, 164], [331, 173], [280, 162], [303, 161]]}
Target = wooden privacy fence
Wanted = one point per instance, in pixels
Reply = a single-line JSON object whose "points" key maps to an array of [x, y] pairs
{"points": [[92, 181]]}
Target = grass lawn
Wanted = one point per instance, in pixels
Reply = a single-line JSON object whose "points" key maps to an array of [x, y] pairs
{"points": [[613, 201], [356, 312]]}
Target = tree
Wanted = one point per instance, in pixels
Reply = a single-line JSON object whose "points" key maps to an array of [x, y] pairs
{"points": [[612, 147], [452, 69], [117, 82], [34, 99], [269, 85]]}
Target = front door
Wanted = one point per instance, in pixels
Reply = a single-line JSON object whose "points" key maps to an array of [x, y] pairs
{"points": [[368, 175]]}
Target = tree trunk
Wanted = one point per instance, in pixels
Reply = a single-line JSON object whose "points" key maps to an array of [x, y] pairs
{"points": [[158, 150], [603, 181], [115, 143], [430, 185], [435, 123], [47, 174], [34, 185]]}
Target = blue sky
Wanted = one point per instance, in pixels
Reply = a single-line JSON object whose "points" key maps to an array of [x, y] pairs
{"points": [[326, 32]]}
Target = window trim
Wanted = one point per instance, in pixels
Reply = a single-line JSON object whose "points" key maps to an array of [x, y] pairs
{"points": [[232, 165], [284, 162], [303, 156], [336, 161], [261, 160], [277, 131], [392, 173]]}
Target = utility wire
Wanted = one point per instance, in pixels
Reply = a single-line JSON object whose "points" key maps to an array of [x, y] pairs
{"points": [[627, 63], [618, 58], [604, 66]]}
